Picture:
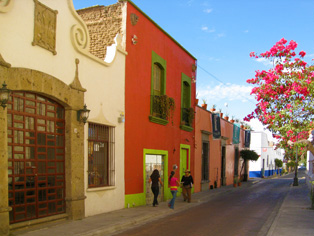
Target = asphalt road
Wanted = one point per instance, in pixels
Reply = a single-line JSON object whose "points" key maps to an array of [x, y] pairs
{"points": [[240, 213]]}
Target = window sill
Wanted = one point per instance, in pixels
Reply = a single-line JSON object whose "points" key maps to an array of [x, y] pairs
{"points": [[158, 120], [101, 189], [186, 128]]}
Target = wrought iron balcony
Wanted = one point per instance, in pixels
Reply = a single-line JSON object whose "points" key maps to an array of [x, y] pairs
{"points": [[187, 117], [162, 106], [157, 110]]}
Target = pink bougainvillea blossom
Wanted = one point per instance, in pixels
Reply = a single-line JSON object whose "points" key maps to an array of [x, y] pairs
{"points": [[284, 93], [302, 53]]}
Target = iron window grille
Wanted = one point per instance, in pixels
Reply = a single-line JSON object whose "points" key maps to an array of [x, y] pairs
{"points": [[101, 153]]}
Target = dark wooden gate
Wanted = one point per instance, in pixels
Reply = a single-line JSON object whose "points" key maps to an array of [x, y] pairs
{"points": [[36, 157]]}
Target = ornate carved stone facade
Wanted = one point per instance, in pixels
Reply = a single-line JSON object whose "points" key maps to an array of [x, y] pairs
{"points": [[72, 99], [103, 23], [45, 24]]}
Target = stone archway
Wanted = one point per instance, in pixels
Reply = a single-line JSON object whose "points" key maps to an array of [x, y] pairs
{"points": [[71, 97]]}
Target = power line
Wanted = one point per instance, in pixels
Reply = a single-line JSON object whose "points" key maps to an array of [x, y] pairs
{"points": [[222, 82], [211, 75]]}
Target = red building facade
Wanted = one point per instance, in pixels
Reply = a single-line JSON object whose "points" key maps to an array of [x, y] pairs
{"points": [[159, 71]]}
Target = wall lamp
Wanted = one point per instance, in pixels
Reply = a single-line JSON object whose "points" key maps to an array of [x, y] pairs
{"points": [[82, 115], [121, 119], [4, 95]]}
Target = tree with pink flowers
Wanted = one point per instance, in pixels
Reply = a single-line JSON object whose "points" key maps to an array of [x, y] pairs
{"points": [[284, 93]]}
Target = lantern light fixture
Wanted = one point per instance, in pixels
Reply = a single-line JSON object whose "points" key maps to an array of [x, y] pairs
{"points": [[82, 114], [4, 95]]}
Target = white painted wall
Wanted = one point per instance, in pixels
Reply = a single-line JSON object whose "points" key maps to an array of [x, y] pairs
{"points": [[104, 82], [310, 160], [267, 152]]}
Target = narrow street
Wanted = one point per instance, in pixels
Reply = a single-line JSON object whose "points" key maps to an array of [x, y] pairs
{"points": [[247, 212]]}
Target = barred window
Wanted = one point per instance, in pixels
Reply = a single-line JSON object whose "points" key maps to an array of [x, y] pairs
{"points": [[205, 161], [101, 165]]}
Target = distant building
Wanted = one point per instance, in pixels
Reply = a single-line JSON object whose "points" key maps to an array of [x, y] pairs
{"points": [[265, 165], [217, 150], [310, 158]]}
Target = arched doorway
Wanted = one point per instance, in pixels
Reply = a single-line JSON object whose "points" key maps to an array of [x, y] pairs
{"points": [[36, 157]]}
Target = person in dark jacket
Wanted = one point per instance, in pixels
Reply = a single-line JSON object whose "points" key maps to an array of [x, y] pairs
{"points": [[155, 180], [187, 184]]}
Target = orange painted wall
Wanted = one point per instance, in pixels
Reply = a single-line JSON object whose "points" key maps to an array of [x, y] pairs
{"points": [[140, 133], [203, 122], [202, 118]]}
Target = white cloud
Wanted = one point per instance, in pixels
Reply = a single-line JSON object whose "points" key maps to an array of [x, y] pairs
{"points": [[246, 31], [221, 35], [189, 3], [266, 62], [208, 10], [206, 29], [206, 4], [270, 62], [228, 92], [213, 59]]}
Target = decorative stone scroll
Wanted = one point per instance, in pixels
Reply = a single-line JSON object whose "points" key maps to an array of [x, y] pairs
{"points": [[4, 63], [6, 5], [45, 26]]}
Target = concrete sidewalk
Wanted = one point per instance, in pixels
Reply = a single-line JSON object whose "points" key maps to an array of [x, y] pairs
{"points": [[293, 217]]}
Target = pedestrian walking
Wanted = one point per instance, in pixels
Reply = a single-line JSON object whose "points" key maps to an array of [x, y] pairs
{"points": [[155, 180], [173, 183], [187, 184]]}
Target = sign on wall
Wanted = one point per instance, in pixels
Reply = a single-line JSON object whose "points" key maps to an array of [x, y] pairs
{"points": [[247, 139], [216, 126], [236, 134]]}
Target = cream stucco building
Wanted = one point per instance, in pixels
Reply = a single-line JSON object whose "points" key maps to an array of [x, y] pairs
{"points": [[52, 165]]}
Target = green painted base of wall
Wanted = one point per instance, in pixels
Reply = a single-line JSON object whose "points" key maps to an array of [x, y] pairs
{"points": [[134, 200]]}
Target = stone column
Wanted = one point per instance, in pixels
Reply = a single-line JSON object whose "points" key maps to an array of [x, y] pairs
{"points": [[74, 166], [4, 207]]}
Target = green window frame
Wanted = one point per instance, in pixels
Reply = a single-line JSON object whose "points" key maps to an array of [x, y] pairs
{"points": [[158, 87], [186, 123]]}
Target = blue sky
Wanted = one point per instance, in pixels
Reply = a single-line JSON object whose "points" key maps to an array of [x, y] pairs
{"points": [[222, 33]]}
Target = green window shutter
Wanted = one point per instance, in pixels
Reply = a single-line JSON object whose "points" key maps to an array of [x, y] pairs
{"points": [[186, 121], [158, 88], [159, 65]]}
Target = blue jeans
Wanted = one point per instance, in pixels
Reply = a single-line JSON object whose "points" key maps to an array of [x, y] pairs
{"points": [[174, 195]]}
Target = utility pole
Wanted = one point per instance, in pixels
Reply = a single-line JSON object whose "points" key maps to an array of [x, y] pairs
{"points": [[295, 181]]}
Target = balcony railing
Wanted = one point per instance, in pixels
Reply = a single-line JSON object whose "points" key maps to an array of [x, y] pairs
{"points": [[187, 116], [157, 107], [162, 106]]}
